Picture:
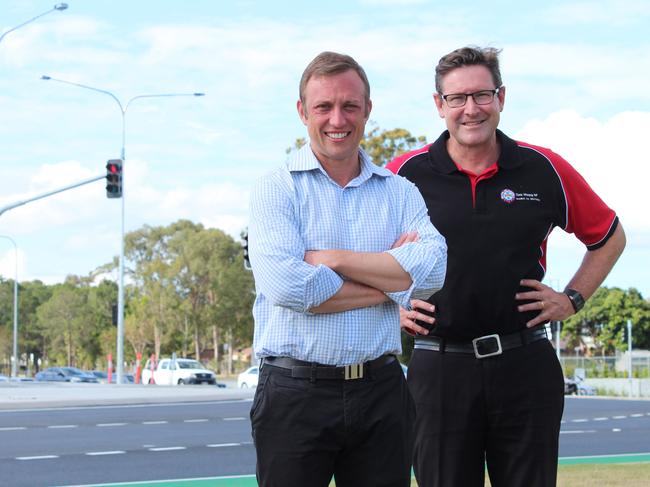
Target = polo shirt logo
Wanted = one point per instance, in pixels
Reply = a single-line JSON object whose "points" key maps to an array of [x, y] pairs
{"points": [[508, 196]]}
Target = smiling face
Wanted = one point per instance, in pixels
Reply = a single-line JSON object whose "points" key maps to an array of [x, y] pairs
{"points": [[472, 127], [335, 111]]}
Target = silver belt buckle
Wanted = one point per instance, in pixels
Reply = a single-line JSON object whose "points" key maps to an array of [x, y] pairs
{"points": [[354, 371], [487, 338]]}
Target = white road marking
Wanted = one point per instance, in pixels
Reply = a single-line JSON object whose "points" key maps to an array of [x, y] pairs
{"points": [[41, 457], [154, 422], [222, 445], [195, 421], [616, 430], [126, 406], [619, 417], [102, 425], [62, 426], [168, 448], [12, 428], [636, 415], [241, 418], [579, 420], [601, 419], [98, 453], [572, 432]]}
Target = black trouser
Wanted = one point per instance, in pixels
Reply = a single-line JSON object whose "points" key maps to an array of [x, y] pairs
{"points": [[504, 411], [359, 431]]}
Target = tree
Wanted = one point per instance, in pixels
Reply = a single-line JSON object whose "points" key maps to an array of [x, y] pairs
{"points": [[605, 316], [61, 320], [190, 288], [384, 145]]}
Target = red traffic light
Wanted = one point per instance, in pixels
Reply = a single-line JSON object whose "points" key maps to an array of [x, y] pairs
{"points": [[114, 178]]}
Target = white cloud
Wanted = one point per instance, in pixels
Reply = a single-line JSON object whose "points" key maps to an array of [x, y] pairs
{"points": [[8, 261], [608, 13], [391, 3]]}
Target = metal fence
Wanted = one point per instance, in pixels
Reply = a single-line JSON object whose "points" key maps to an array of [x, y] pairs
{"points": [[606, 367]]}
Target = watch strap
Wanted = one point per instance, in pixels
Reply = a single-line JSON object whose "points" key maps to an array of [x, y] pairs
{"points": [[577, 300]]}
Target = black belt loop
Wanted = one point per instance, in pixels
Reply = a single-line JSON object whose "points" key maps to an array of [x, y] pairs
{"points": [[312, 374], [524, 337]]}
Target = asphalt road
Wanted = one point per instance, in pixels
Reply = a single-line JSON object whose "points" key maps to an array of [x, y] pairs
{"points": [[84, 445], [595, 426], [207, 435]]}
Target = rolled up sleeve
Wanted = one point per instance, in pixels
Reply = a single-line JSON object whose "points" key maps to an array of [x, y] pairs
{"points": [[425, 260], [277, 250]]}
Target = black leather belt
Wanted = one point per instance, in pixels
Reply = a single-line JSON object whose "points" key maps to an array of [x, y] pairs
{"points": [[482, 347], [312, 370]]}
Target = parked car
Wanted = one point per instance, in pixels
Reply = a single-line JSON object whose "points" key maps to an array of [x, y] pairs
{"points": [[248, 378], [570, 387], [4, 378], [102, 377], [65, 374], [180, 371], [578, 387]]}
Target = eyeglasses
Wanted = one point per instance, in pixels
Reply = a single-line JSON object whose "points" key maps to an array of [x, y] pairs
{"points": [[483, 97]]}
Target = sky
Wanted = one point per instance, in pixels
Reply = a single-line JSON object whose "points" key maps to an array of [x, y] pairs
{"points": [[576, 75]]}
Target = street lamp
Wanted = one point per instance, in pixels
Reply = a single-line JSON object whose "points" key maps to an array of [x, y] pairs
{"points": [[58, 6], [120, 287], [14, 362]]}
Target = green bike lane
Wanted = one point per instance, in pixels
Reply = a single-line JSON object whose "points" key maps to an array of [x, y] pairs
{"points": [[249, 480]]}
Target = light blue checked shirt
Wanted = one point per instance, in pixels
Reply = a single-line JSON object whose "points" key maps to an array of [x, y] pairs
{"points": [[299, 207]]}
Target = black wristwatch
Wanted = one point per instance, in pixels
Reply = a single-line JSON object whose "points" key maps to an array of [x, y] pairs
{"points": [[577, 301]]}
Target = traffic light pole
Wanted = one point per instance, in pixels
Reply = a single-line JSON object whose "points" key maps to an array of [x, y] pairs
{"points": [[50, 193]]}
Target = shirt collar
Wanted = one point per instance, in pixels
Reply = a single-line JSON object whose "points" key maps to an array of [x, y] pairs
{"points": [[305, 160], [439, 157]]}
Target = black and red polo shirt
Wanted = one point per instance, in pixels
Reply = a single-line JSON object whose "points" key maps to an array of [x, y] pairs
{"points": [[497, 225]]}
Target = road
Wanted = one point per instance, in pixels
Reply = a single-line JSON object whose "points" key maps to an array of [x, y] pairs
{"points": [[60, 446], [65, 446], [595, 426]]}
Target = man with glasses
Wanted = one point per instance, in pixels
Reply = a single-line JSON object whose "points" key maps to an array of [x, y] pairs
{"points": [[333, 259], [487, 384]]}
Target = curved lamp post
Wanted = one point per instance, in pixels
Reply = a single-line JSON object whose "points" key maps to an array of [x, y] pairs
{"points": [[120, 288], [14, 355], [58, 6]]}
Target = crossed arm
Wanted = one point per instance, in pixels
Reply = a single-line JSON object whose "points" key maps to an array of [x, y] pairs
{"points": [[369, 275]]}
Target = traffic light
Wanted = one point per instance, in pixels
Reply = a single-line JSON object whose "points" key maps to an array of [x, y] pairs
{"points": [[114, 178], [247, 262], [114, 314]]}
